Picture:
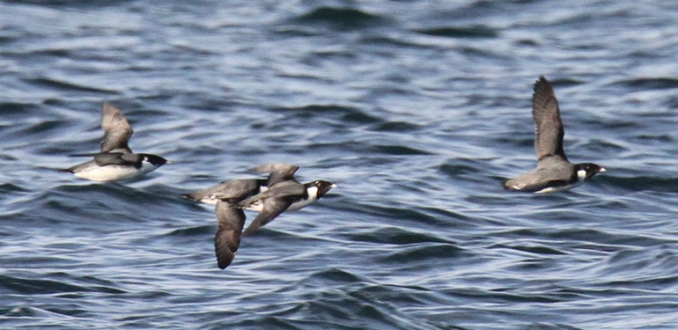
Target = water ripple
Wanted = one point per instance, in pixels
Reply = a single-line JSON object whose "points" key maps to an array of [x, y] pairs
{"points": [[417, 110]]}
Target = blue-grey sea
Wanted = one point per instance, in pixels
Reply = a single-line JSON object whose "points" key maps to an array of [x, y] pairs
{"points": [[415, 109]]}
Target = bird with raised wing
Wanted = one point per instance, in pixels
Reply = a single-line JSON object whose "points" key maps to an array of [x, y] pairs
{"points": [[115, 161], [554, 172]]}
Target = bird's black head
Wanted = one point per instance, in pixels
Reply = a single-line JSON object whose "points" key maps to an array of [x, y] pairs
{"points": [[323, 186], [589, 170], [153, 159]]}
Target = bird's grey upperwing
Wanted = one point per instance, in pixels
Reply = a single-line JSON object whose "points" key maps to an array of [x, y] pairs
{"points": [[237, 189], [548, 140], [117, 130], [273, 167], [117, 158], [230, 222], [282, 189], [240, 189], [104, 159], [278, 172], [550, 172], [272, 207]]}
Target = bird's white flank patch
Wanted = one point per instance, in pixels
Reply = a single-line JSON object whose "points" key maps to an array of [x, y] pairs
{"points": [[257, 206]]}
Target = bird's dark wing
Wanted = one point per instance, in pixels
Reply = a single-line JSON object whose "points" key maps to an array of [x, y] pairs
{"points": [[230, 221], [273, 206], [109, 159], [117, 130], [278, 172], [549, 131], [289, 188], [237, 189], [116, 158]]}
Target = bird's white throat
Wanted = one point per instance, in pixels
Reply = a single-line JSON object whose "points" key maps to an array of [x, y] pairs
{"points": [[312, 192]]}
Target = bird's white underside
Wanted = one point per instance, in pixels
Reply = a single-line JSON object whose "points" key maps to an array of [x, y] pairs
{"points": [[114, 172]]}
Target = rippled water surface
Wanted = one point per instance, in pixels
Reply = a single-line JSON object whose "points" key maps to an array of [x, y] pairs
{"points": [[416, 109]]}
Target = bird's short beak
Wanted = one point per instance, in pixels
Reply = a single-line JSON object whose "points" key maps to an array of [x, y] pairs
{"points": [[602, 169], [333, 185], [168, 162]]}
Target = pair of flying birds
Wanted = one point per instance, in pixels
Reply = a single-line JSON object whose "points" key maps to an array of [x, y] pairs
{"points": [[270, 197], [280, 191]]}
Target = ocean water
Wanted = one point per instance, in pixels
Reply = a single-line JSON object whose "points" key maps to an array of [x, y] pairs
{"points": [[415, 109]]}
